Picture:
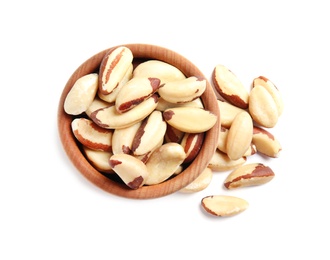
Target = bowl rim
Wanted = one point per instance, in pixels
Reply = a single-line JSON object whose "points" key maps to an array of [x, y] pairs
{"points": [[72, 150]]}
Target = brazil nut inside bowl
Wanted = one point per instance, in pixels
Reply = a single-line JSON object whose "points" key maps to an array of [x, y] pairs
{"points": [[138, 121]]}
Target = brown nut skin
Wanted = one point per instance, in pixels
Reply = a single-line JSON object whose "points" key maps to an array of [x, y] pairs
{"points": [[113, 68], [192, 143], [131, 170], [91, 135], [230, 87], [134, 92], [252, 174]]}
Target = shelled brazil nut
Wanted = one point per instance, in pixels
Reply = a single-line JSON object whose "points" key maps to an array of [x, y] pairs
{"points": [[244, 117]]}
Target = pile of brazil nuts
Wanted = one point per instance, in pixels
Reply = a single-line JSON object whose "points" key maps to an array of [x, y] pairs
{"points": [[246, 119], [144, 123]]}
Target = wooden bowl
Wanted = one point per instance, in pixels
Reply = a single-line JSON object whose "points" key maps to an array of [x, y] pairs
{"points": [[113, 186]]}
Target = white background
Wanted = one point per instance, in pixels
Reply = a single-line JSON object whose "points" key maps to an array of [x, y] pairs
{"points": [[50, 211]]}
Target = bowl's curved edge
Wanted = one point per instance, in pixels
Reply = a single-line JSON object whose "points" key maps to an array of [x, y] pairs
{"points": [[170, 186]]}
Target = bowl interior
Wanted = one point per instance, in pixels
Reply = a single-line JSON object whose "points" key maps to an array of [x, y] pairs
{"points": [[141, 52]]}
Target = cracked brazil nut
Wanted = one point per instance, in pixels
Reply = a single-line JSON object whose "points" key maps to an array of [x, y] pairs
{"points": [[249, 175]]}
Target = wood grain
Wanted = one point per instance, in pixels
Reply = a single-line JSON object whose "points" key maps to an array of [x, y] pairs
{"points": [[145, 52]]}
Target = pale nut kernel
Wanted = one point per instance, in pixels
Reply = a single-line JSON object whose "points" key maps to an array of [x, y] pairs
{"points": [[91, 135], [273, 91], [163, 104], [96, 104], [222, 141], [192, 143], [150, 133], [262, 107], [122, 139], [164, 162], [252, 174], [158, 69], [81, 94], [98, 159], [111, 97], [224, 205], [190, 119], [265, 142], [131, 170], [200, 183], [229, 87], [110, 118], [239, 136], [221, 162], [134, 92], [228, 112], [113, 68], [184, 90]]}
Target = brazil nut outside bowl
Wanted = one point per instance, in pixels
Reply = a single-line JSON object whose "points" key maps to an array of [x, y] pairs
{"points": [[141, 52]]}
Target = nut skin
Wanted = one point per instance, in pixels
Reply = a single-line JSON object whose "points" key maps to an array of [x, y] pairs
{"points": [[131, 170], [224, 205], [111, 97], [229, 87], [81, 95], [249, 175], [91, 135], [122, 139], [113, 68], [150, 133], [265, 142], [190, 119], [192, 143]]}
